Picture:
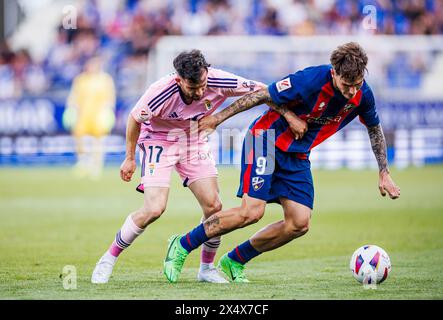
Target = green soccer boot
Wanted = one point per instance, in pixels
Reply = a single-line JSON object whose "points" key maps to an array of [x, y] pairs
{"points": [[232, 269], [175, 258]]}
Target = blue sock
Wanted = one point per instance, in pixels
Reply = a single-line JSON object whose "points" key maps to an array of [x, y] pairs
{"points": [[243, 253], [194, 239]]}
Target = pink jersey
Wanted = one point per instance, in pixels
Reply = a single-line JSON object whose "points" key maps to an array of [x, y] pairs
{"points": [[164, 115]]}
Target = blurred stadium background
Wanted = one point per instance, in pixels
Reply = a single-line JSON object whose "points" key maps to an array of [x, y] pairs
{"points": [[259, 39], [49, 219]]}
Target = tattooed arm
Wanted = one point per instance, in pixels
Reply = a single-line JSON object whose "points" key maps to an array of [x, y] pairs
{"points": [[378, 143], [297, 125], [245, 103]]}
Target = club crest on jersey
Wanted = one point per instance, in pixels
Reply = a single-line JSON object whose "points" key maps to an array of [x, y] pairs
{"points": [[257, 183], [151, 169], [283, 85], [208, 104], [348, 107], [249, 84]]}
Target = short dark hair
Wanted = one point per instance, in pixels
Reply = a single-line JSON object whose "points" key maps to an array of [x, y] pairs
{"points": [[189, 65], [349, 61]]}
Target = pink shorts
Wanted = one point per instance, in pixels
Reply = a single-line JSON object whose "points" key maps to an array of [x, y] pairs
{"points": [[158, 158]]}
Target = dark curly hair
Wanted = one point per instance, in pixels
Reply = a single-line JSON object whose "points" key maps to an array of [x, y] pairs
{"points": [[349, 61], [190, 65]]}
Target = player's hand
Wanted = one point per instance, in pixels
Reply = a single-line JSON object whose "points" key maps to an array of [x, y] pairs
{"points": [[207, 125], [387, 185], [127, 169], [298, 126]]}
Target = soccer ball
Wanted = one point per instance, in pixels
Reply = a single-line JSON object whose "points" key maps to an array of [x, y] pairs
{"points": [[370, 264]]}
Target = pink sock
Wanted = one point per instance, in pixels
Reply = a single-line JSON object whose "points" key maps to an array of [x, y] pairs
{"points": [[114, 249], [124, 237], [209, 249]]}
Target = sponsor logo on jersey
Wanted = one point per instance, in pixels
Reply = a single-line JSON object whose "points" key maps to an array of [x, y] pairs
{"points": [[323, 120], [173, 115], [257, 183], [208, 104], [283, 85]]}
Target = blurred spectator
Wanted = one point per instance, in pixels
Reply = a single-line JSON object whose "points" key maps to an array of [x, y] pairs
{"points": [[19, 74], [269, 23], [7, 81], [61, 64]]}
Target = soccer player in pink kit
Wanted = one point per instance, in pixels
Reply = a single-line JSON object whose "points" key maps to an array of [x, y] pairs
{"points": [[162, 123]]}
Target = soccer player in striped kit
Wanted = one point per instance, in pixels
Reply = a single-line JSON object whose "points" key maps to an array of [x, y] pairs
{"points": [[275, 161], [163, 124]]}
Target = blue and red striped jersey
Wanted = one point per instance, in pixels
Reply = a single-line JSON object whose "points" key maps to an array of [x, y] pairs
{"points": [[310, 94]]}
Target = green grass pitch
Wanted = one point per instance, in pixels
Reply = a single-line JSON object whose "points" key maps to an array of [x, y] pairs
{"points": [[48, 220]]}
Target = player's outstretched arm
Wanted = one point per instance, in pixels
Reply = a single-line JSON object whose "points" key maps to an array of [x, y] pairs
{"points": [[248, 101], [208, 124], [298, 126], [128, 165], [378, 143]]}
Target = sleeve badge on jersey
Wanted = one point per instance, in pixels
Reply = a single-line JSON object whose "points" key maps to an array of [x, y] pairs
{"points": [[143, 115], [283, 85]]}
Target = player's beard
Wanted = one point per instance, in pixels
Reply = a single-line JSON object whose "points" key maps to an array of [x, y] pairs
{"points": [[191, 97]]}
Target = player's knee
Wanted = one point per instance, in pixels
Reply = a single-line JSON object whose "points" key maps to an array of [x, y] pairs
{"points": [[151, 214], [303, 228], [253, 213], [155, 213], [214, 207], [298, 227], [218, 206]]}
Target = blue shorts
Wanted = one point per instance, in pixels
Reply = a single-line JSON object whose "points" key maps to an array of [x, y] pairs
{"points": [[267, 173]]}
